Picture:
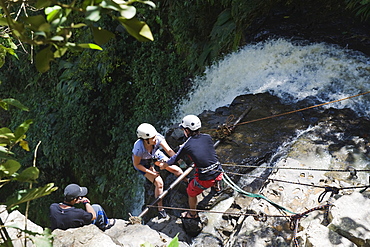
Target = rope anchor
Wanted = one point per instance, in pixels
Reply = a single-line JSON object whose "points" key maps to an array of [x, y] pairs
{"points": [[260, 217], [333, 190], [225, 129]]}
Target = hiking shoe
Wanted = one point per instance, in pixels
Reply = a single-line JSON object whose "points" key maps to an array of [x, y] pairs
{"points": [[162, 214]]}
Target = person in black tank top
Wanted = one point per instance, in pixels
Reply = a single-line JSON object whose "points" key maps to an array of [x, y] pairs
{"points": [[200, 149]]}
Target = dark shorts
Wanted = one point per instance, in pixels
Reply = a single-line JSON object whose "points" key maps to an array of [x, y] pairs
{"points": [[193, 190], [146, 164]]}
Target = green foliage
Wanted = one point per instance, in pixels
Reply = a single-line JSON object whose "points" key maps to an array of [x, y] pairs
{"points": [[175, 241], [9, 172], [360, 7], [86, 109], [51, 26]]}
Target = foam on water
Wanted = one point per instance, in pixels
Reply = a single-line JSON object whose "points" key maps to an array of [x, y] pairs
{"points": [[288, 70]]}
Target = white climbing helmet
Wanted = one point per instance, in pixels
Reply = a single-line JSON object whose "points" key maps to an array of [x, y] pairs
{"points": [[192, 122], [146, 131]]}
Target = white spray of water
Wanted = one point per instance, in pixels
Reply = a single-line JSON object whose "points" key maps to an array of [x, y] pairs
{"points": [[290, 71]]}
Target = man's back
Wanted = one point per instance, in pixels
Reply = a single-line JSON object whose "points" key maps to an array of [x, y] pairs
{"points": [[68, 217]]}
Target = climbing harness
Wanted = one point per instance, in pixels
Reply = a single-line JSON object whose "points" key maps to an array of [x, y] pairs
{"points": [[209, 168]]}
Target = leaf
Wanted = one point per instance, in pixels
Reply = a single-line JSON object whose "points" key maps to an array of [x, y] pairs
{"points": [[174, 242], [43, 59], [40, 33], [3, 21], [28, 195], [108, 4], [150, 3], [79, 25], [57, 38], [93, 13], [16, 103], [6, 132], [6, 136], [9, 168], [12, 45], [138, 29], [34, 22], [59, 21], [146, 244], [43, 240], [18, 28], [4, 153], [128, 12], [53, 13], [43, 3], [60, 52], [24, 145], [90, 46], [29, 174], [22, 129], [101, 36]]}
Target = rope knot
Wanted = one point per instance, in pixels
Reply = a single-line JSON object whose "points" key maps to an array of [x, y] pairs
{"points": [[333, 190], [260, 217], [225, 129]]}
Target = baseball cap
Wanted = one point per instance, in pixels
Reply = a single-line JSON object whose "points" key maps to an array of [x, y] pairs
{"points": [[74, 190]]}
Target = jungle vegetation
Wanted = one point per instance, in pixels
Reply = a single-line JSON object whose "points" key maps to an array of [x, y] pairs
{"points": [[85, 104]]}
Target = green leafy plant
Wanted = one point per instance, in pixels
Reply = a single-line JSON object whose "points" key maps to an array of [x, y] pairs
{"points": [[48, 24], [361, 7], [10, 171]]}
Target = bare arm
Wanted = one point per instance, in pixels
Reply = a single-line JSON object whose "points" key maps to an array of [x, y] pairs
{"points": [[167, 148], [88, 206]]}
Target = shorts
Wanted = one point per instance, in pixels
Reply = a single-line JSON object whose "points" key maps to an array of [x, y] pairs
{"points": [[194, 190], [159, 155]]}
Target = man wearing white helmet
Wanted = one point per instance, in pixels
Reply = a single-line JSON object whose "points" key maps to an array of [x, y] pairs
{"points": [[200, 149], [146, 152]]}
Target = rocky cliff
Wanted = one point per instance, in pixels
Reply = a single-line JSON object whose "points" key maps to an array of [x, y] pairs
{"points": [[321, 204]]}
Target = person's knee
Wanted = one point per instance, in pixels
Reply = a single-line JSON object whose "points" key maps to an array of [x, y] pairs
{"points": [[158, 182]]}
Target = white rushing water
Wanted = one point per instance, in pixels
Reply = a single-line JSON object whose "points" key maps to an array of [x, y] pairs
{"points": [[293, 72], [290, 71]]}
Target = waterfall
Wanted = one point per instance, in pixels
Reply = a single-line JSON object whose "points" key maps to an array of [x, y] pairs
{"points": [[290, 70]]}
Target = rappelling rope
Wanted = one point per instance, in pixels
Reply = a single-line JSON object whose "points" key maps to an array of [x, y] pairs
{"points": [[229, 182], [349, 169], [332, 189], [262, 217], [225, 129], [303, 109], [297, 217], [257, 216]]}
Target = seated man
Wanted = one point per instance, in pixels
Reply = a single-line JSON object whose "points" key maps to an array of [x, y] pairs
{"points": [[64, 215]]}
